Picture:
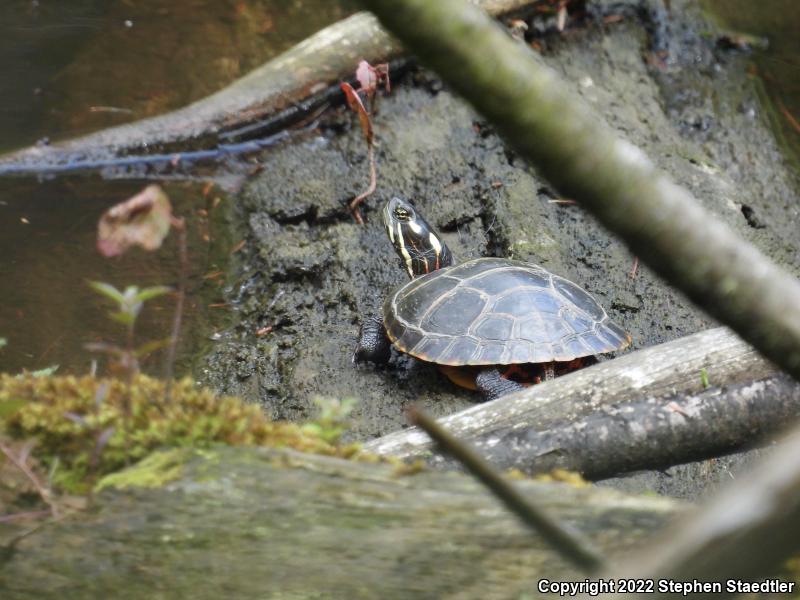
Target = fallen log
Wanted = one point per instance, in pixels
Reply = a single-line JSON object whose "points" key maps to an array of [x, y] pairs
{"points": [[270, 98], [250, 523], [677, 368], [647, 434]]}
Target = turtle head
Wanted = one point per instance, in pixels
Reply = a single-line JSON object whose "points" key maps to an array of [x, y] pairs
{"points": [[420, 247]]}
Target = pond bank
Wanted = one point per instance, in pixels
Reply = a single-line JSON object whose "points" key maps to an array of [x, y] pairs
{"points": [[308, 272]]}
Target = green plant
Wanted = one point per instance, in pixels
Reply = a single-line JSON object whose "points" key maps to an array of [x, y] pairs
{"points": [[144, 220], [332, 420], [128, 305], [704, 379]]}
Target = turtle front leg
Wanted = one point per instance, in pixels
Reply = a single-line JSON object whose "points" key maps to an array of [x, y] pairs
{"points": [[373, 344], [493, 385]]}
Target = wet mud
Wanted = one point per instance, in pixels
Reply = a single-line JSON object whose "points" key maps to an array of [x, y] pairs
{"points": [[308, 273]]}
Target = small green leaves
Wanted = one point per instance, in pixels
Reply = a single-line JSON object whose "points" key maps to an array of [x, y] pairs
{"points": [[704, 379], [130, 302], [152, 346], [3, 342], [46, 372], [124, 318], [107, 290], [143, 220], [332, 420], [151, 292]]}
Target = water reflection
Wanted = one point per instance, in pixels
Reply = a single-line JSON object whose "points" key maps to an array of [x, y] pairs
{"points": [[77, 66], [47, 252], [778, 65], [83, 65]]}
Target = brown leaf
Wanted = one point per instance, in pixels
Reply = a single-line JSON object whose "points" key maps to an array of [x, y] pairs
{"points": [[355, 104], [143, 220], [366, 76]]}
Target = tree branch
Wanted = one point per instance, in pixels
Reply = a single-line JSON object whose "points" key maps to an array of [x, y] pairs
{"points": [[670, 368], [268, 99], [649, 433]]}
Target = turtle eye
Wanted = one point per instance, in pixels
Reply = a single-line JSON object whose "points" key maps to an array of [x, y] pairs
{"points": [[401, 214]]}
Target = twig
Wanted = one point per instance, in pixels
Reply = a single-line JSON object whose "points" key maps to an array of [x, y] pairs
{"points": [[567, 544], [789, 116], [132, 369], [44, 493], [31, 514], [169, 364], [634, 268], [373, 180]]}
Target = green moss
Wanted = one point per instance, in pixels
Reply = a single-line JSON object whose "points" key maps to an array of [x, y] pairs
{"points": [[92, 427], [156, 470]]}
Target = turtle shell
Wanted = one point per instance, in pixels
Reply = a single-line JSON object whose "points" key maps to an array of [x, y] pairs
{"points": [[494, 311]]}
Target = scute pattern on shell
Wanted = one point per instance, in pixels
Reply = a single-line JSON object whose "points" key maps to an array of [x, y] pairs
{"points": [[497, 311]]}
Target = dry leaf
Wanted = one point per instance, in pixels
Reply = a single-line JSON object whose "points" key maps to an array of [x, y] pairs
{"points": [[355, 104], [143, 220]]}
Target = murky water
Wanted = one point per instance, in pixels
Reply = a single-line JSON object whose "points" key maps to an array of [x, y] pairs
{"points": [[71, 67], [777, 64], [47, 254]]}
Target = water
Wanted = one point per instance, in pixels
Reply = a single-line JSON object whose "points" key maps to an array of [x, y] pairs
{"points": [[73, 67], [778, 64], [47, 254]]}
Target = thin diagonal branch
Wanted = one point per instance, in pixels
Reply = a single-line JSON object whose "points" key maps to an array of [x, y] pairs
{"points": [[566, 543], [43, 492]]}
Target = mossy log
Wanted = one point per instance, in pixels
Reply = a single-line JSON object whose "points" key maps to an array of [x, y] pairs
{"points": [[282, 91], [247, 523], [645, 401]]}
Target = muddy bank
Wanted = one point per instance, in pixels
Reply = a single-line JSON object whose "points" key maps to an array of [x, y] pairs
{"points": [[309, 273]]}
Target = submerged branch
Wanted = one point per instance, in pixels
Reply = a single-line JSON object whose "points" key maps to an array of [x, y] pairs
{"points": [[271, 98]]}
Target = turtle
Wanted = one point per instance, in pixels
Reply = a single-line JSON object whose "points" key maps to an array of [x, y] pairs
{"points": [[494, 325]]}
